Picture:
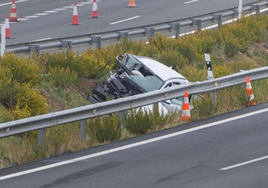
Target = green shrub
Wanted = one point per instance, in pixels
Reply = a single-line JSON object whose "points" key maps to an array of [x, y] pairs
{"points": [[138, 121], [27, 102], [24, 70], [105, 129], [158, 121], [203, 107], [63, 77]]}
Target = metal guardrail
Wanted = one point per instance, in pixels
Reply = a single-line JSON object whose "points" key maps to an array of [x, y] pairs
{"points": [[119, 105], [148, 30]]}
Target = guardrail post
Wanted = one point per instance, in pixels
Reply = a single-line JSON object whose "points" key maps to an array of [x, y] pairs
{"points": [[41, 137], [83, 130], [122, 119], [35, 48], [96, 39], [123, 34], [3, 40], [218, 17], [198, 23], [256, 8], [176, 27], [66, 44], [150, 32]]}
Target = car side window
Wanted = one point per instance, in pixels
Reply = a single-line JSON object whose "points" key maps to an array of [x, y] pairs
{"points": [[176, 101]]}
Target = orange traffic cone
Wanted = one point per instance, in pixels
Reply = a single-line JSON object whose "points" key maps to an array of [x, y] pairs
{"points": [[8, 35], [249, 93], [185, 116], [13, 14], [94, 13], [75, 20], [131, 3]]}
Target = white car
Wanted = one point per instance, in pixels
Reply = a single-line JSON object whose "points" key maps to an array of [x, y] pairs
{"points": [[138, 74]]}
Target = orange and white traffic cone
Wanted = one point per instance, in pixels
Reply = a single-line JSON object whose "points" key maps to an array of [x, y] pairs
{"points": [[8, 35], [13, 14], [95, 13], [75, 19], [131, 3], [185, 116], [249, 94]]}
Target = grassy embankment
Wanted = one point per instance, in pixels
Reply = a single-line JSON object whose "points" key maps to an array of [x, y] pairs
{"points": [[52, 82]]}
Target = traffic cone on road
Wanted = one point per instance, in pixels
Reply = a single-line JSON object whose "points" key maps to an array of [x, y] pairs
{"points": [[8, 35], [75, 20], [13, 14], [131, 3], [249, 94], [185, 116], [95, 13]]}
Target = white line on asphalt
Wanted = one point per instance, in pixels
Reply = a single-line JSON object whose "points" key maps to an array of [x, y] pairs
{"points": [[40, 14], [20, 1], [66, 7], [59, 9], [245, 163], [125, 20], [31, 16], [132, 145], [85, 3], [21, 19], [51, 11], [192, 1], [38, 40]]}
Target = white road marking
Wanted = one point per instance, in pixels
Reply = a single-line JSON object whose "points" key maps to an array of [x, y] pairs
{"points": [[152, 140], [245, 163], [31, 16], [20, 1], [66, 7], [192, 1], [22, 19], [85, 3], [51, 11], [59, 9], [40, 14], [125, 20], [38, 40]]}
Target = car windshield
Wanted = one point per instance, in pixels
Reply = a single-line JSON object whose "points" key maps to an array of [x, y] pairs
{"points": [[148, 80]]}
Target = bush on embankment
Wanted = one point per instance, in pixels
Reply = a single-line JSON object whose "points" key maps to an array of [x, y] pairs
{"points": [[31, 86]]}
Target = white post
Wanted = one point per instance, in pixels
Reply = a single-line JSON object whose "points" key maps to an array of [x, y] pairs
{"points": [[210, 76], [240, 5], [3, 39]]}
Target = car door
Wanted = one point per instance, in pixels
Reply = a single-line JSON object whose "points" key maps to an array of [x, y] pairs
{"points": [[175, 104]]}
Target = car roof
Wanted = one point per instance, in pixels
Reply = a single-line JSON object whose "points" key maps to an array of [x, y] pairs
{"points": [[161, 70]]}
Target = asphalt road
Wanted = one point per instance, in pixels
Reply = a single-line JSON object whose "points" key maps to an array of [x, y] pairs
{"points": [[49, 19], [224, 151]]}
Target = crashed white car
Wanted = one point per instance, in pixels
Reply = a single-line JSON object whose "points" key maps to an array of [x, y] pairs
{"points": [[138, 74]]}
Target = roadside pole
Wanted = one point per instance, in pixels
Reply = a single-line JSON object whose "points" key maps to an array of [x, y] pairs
{"points": [[210, 76], [240, 5], [3, 39]]}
